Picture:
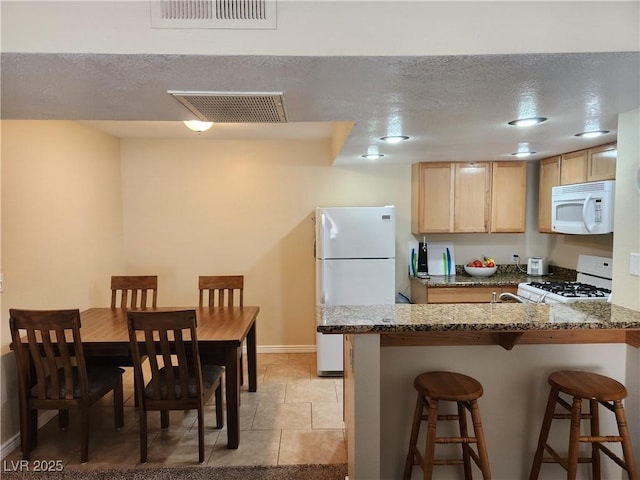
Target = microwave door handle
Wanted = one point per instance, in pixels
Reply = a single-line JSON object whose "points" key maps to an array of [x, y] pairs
{"points": [[584, 213]]}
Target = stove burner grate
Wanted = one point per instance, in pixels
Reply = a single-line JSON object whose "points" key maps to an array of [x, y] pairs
{"points": [[572, 289]]}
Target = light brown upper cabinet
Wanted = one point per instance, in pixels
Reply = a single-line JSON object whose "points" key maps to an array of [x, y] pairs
{"points": [[456, 197], [508, 197], [573, 167], [589, 165], [549, 178], [472, 199], [601, 163], [431, 197]]}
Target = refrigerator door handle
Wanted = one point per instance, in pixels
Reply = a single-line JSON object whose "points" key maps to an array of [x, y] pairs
{"points": [[319, 243], [323, 287]]}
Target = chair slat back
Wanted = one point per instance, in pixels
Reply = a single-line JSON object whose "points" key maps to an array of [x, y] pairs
{"points": [[49, 341], [134, 290], [169, 341], [221, 290]]}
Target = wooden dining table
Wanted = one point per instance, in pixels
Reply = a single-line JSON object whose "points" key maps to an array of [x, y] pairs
{"points": [[221, 332]]}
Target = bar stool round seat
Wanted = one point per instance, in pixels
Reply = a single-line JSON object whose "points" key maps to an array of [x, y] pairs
{"points": [[597, 390], [436, 387]]}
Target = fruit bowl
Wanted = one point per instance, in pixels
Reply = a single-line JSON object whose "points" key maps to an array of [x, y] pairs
{"points": [[480, 271]]}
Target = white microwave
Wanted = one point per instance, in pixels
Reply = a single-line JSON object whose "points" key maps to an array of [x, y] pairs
{"points": [[583, 208]]}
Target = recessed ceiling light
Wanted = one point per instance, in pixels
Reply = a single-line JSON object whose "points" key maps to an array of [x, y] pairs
{"points": [[592, 134], [522, 154], [394, 138], [527, 122], [198, 125], [372, 156]]}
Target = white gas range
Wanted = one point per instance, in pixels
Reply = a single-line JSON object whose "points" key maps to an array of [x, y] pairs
{"points": [[593, 282]]}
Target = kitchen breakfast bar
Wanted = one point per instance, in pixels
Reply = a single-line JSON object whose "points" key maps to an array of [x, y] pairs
{"points": [[509, 348]]}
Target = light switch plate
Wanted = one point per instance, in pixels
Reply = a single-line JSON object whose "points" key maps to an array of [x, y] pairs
{"points": [[634, 264]]}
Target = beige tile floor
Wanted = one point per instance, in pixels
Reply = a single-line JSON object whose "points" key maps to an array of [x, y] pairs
{"points": [[295, 417]]}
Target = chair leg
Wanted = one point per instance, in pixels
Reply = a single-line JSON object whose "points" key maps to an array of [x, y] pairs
{"points": [[26, 418], [572, 458], [200, 435], [84, 434], [241, 369], [595, 446], [430, 446], [164, 419], [63, 419], [544, 434], [413, 441], [466, 458], [219, 412], [118, 405], [627, 450], [136, 399], [143, 435], [33, 429], [482, 445]]}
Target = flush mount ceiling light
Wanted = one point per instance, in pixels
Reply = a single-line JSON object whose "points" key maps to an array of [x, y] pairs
{"points": [[198, 125], [522, 154], [527, 122], [394, 138], [372, 156], [592, 134]]}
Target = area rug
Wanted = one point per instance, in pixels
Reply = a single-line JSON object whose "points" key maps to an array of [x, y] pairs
{"points": [[279, 472]]}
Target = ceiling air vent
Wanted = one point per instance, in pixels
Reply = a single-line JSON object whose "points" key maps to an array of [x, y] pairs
{"points": [[231, 14], [234, 107]]}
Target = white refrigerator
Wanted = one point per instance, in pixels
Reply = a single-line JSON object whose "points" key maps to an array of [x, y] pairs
{"points": [[355, 265]]}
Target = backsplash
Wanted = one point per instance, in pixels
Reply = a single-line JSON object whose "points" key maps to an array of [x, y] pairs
{"points": [[515, 269]]}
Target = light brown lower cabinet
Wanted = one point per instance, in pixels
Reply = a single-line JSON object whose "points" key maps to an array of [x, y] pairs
{"points": [[472, 294]]}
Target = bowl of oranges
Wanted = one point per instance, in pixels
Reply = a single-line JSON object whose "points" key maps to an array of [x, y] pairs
{"points": [[481, 268]]}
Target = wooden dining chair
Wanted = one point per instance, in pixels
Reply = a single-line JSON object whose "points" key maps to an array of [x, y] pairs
{"points": [[172, 377], [134, 291], [222, 290], [53, 375]]}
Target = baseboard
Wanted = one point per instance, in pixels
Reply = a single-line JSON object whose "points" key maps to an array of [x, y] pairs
{"points": [[286, 349], [14, 442]]}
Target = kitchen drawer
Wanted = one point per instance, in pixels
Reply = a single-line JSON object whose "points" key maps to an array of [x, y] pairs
{"points": [[470, 294]]}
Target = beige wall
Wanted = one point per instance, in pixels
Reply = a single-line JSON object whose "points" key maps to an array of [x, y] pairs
{"points": [[61, 227], [626, 287], [198, 207], [627, 215]]}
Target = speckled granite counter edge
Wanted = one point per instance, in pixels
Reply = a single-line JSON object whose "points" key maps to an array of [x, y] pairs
{"points": [[498, 317]]}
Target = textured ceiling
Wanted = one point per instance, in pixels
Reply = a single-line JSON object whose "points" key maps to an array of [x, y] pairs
{"points": [[452, 107]]}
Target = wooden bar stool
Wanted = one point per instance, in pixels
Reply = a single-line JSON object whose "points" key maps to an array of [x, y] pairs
{"points": [[597, 389], [432, 388]]}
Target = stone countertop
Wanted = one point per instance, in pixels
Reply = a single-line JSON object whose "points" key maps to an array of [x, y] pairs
{"points": [[506, 275], [583, 315]]}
